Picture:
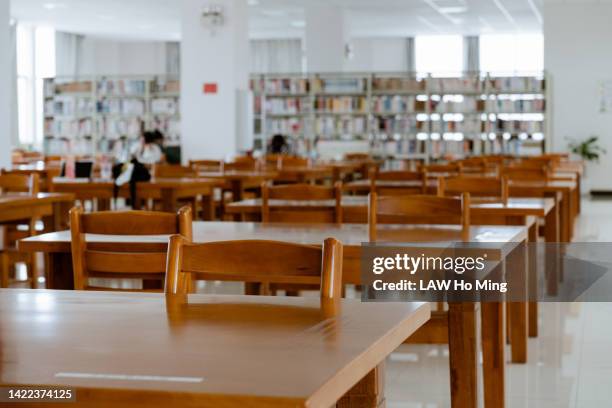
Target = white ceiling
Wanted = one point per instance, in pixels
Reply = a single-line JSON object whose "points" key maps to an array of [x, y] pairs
{"points": [[160, 19]]}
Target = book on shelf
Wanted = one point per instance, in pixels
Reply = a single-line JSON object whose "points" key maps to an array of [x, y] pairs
{"points": [[341, 104], [164, 106], [339, 85], [333, 126], [391, 104], [121, 87], [455, 85], [280, 106], [407, 85], [127, 107]]}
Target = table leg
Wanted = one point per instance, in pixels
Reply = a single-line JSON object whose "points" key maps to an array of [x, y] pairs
{"points": [[516, 276], [168, 198], [493, 361], [208, 206], [58, 270], [462, 346], [367, 393], [533, 280]]}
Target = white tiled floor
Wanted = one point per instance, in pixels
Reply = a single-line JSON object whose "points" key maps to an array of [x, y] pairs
{"points": [[570, 363]]}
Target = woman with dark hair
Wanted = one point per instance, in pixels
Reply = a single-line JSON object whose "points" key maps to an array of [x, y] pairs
{"points": [[148, 151], [279, 145]]}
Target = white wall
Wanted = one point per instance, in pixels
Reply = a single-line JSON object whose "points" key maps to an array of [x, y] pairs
{"points": [[6, 115], [378, 54], [110, 57], [578, 55]]}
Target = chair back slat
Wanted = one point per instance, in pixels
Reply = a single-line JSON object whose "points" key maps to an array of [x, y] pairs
{"points": [[19, 183], [476, 186], [118, 260], [418, 209], [297, 213], [255, 261]]}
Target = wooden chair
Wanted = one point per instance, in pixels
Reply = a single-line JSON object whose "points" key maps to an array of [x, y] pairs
{"points": [[418, 209], [121, 260], [173, 171], [264, 262], [205, 165], [240, 165], [398, 175], [14, 231], [476, 186], [453, 169], [538, 173], [305, 213]]}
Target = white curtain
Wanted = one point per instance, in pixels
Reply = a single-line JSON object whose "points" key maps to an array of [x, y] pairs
{"points": [[13, 72], [410, 64], [471, 53], [68, 54], [276, 56]]}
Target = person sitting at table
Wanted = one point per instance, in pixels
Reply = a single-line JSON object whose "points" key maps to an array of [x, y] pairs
{"points": [[148, 151], [279, 145]]}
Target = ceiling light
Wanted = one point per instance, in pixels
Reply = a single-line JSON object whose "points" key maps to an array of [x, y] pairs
{"points": [[453, 10], [298, 24]]}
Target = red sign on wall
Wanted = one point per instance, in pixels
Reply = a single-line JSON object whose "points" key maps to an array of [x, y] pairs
{"points": [[210, 88]]}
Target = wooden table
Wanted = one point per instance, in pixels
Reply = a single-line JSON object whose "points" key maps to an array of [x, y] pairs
{"points": [[146, 350], [563, 191], [461, 318], [168, 190], [364, 186], [53, 206], [482, 211], [238, 181], [45, 172]]}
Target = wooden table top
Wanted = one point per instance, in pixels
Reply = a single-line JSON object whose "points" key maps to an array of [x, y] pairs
{"points": [[545, 185], [215, 351], [517, 206], [239, 175], [18, 199], [158, 182], [351, 235]]}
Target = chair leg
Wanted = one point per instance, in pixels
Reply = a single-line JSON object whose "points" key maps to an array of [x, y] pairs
{"points": [[4, 270]]}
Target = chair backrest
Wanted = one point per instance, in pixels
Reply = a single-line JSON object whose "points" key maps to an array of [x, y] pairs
{"points": [[476, 186], [173, 171], [357, 156], [240, 165], [205, 165], [255, 261], [418, 209], [301, 213], [517, 172], [398, 175], [451, 168], [114, 260], [283, 161], [19, 183]]}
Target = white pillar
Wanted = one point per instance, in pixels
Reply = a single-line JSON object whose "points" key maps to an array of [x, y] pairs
{"points": [[6, 85], [325, 38], [218, 58]]}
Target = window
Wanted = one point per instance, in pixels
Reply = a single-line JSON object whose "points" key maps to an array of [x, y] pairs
{"points": [[35, 61], [512, 54], [440, 55]]}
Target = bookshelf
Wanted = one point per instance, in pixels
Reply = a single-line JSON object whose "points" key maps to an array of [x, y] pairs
{"points": [[100, 114], [405, 115]]}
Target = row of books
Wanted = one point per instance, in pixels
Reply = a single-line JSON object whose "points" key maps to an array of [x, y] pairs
{"points": [[128, 107], [330, 126], [513, 126], [121, 87], [516, 84], [279, 106], [398, 84], [69, 106], [468, 125], [69, 128], [404, 125], [281, 86], [515, 106], [397, 103], [165, 106], [341, 104]]}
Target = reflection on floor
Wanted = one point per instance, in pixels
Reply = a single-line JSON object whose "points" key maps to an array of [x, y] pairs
{"points": [[570, 363]]}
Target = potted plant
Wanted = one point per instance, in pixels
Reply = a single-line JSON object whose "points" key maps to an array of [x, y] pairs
{"points": [[589, 149]]}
